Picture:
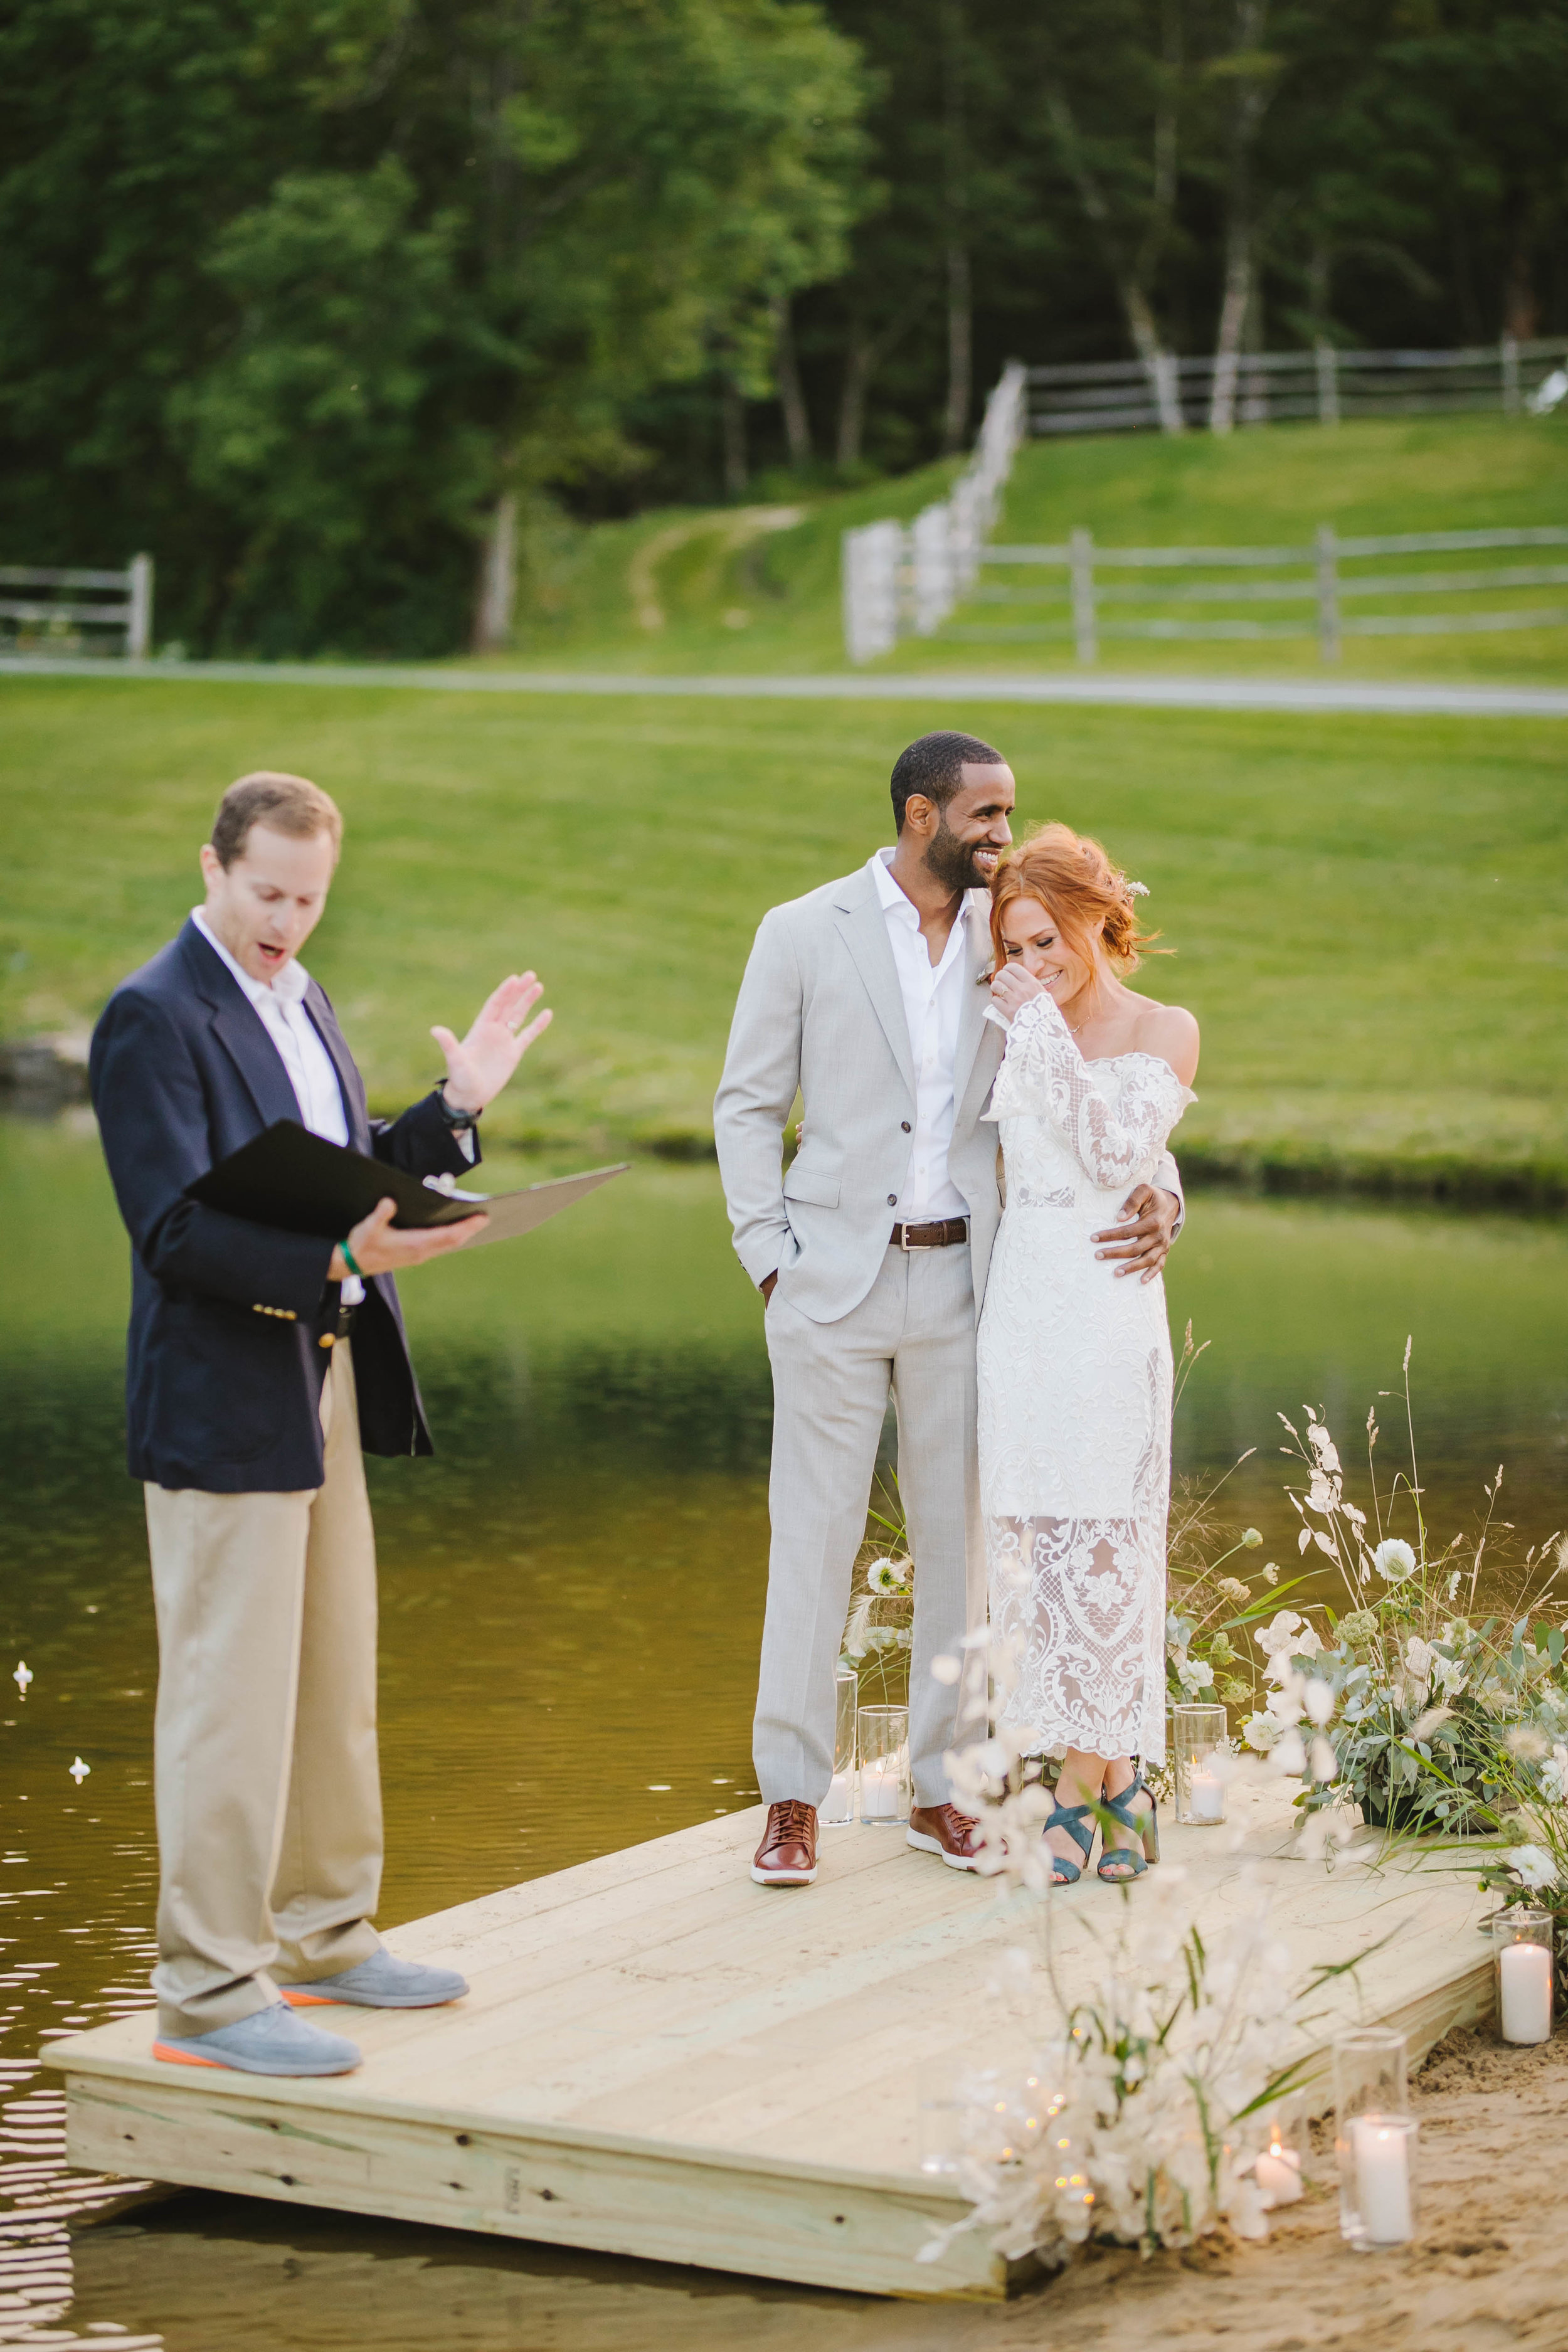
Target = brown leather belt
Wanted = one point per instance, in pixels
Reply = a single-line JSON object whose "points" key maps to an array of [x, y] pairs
{"points": [[942, 1234]]}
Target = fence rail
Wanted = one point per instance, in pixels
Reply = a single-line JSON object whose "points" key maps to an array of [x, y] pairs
{"points": [[57, 617], [1312, 574], [1173, 394]]}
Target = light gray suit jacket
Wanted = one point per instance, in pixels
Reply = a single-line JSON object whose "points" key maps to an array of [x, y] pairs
{"points": [[820, 1010]]}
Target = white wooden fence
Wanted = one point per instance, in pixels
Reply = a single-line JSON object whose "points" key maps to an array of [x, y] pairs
{"points": [[58, 620], [903, 577], [1274, 388], [1326, 576]]}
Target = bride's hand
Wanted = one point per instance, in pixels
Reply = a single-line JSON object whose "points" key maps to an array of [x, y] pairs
{"points": [[1011, 989]]}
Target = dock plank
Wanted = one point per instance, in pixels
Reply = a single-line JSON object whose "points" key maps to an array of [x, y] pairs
{"points": [[660, 2058]]}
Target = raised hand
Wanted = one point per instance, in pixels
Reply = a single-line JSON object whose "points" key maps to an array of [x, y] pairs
{"points": [[1012, 988], [479, 1065]]}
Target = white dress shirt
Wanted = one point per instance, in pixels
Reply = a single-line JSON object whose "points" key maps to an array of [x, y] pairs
{"points": [[281, 1004], [933, 998]]}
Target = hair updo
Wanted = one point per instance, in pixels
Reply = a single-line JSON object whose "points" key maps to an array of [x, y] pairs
{"points": [[1072, 877]]}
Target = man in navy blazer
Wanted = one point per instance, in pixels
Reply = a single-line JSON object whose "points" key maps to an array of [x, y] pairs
{"points": [[259, 1362]]}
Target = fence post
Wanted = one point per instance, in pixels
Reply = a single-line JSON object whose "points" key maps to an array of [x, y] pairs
{"points": [[933, 544], [1328, 593], [1328, 384], [1080, 561], [873, 563], [1509, 351], [139, 624]]}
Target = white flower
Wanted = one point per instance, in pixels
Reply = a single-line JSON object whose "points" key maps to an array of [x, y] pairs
{"points": [[1450, 1673], [1554, 1774], [1533, 1868], [1289, 1755], [1394, 1559], [1193, 1674], [1319, 1700], [888, 1577], [1260, 1732], [1418, 1659], [1277, 1637], [1251, 1539]]}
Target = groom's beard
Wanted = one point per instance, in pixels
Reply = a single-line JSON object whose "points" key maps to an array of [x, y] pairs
{"points": [[951, 861]]}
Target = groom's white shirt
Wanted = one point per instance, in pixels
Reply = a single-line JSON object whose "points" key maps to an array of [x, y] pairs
{"points": [[932, 994]]}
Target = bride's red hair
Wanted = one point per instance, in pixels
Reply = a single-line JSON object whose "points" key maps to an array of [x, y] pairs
{"points": [[1072, 877]]}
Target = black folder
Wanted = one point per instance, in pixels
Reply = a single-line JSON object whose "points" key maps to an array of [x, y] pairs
{"points": [[298, 1181]]}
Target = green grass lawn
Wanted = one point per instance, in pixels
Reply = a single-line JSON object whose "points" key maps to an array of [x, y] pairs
{"points": [[1370, 916], [771, 603]]}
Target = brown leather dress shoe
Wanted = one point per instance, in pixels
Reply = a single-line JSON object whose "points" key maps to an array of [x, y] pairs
{"points": [[942, 1829], [787, 1854]]}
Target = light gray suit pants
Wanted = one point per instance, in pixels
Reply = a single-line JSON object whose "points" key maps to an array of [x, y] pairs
{"points": [[913, 1335]]}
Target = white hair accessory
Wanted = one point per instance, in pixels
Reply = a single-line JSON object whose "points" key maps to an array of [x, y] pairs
{"points": [[1135, 889]]}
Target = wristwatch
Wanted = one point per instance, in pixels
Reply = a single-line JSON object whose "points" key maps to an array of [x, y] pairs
{"points": [[455, 1118]]}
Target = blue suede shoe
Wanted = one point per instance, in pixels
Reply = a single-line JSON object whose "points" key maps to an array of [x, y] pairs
{"points": [[271, 2042], [383, 1981]]}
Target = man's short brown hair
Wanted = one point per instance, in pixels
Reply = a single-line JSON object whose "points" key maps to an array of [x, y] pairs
{"points": [[291, 804]]}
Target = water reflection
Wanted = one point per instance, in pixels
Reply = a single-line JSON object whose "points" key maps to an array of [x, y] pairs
{"points": [[572, 1601]]}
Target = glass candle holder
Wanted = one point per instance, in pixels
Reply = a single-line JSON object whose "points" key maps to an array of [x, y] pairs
{"points": [[837, 1807], [942, 2114], [883, 1753], [1374, 2139], [1521, 1968], [1198, 1733]]}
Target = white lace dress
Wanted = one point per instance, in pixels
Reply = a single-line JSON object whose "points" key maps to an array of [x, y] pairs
{"points": [[1075, 1398]]}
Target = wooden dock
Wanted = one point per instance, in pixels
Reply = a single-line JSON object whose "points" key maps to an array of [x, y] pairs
{"points": [[659, 2059]]}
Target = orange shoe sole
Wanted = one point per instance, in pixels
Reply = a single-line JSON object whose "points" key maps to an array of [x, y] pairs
{"points": [[296, 1999], [184, 2058]]}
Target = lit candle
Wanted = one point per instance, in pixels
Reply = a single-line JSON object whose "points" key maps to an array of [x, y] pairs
{"points": [[1205, 1797], [1277, 2173], [881, 1778], [1382, 2180], [1526, 1973]]}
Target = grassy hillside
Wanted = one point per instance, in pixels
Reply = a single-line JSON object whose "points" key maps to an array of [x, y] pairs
{"points": [[719, 590], [1371, 917]]}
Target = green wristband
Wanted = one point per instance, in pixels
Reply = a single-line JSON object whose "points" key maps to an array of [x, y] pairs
{"points": [[349, 1261]]}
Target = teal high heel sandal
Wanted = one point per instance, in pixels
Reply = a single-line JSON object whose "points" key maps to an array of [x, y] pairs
{"points": [[1070, 1818], [1125, 1862]]}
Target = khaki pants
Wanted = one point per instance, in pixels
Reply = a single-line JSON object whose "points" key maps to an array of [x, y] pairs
{"points": [[268, 1793], [913, 1335]]}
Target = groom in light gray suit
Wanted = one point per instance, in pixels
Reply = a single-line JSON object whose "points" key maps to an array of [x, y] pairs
{"points": [[870, 1250]]}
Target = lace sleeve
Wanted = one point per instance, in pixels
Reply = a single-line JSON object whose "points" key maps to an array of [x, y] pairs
{"points": [[1044, 1074]]}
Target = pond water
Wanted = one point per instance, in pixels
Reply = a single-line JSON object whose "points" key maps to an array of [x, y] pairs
{"points": [[571, 1599]]}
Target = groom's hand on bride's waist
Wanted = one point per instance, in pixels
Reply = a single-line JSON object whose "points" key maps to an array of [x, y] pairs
{"points": [[1143, 1237]]}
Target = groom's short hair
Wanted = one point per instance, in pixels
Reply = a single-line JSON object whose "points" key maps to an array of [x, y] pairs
{"points": [[934, 765]]}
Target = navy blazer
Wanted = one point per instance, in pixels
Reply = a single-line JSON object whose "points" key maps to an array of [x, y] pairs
{"points": [[225, 1363]]}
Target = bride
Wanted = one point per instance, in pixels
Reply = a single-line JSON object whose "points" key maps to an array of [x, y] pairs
{"points": [[1075, 1359]]}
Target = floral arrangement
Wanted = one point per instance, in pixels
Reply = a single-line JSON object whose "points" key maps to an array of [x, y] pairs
{"points": [[1157, 2094], [1404, 1703]]}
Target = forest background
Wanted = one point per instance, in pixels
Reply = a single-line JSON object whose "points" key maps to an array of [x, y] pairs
{"points": [[330, 303]]}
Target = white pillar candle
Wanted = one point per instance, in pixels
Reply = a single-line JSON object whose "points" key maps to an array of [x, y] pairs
{"points": [[1205, 1796], [881, 1789], [1382, 2180], [1526, 1973], [1277, 2173], [839, 1802]]}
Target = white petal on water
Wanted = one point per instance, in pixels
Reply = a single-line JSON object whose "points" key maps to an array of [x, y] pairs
{"points": [[79, 1770]]}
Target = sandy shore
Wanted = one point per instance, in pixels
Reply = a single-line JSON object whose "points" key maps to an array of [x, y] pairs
{"points": [[1490, 2269]]}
